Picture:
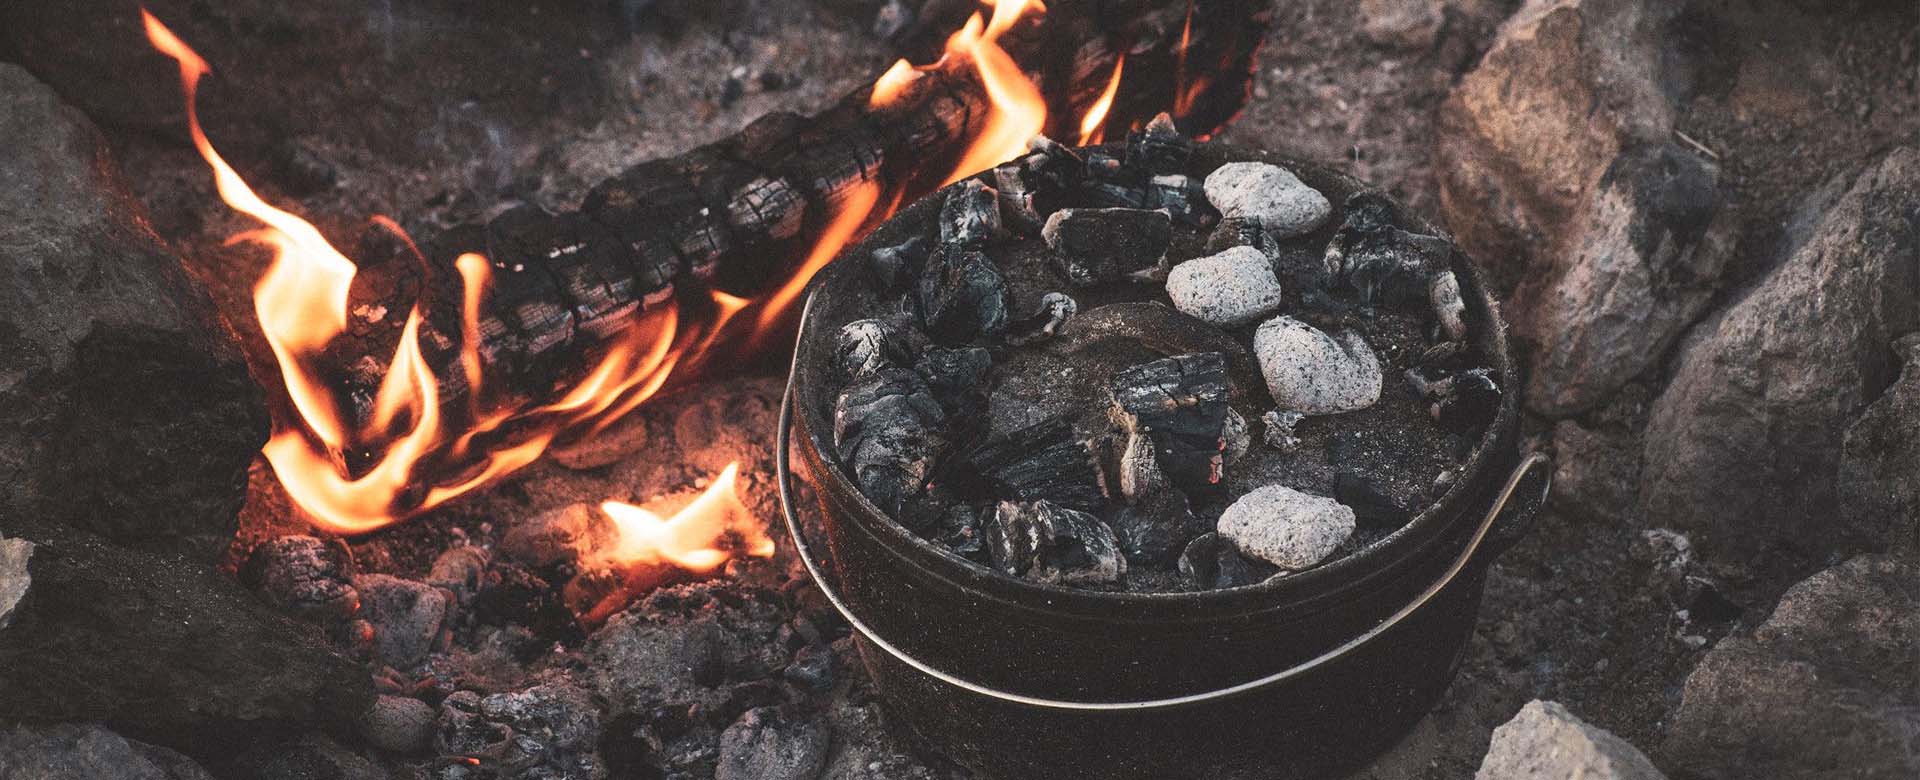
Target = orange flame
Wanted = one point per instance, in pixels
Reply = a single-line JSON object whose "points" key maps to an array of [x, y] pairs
{"points": [[1091, 126], [411, 457], [691, 538]]}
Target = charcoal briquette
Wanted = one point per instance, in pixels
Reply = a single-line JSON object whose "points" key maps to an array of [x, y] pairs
{"points": [[894, 268], [1376, 260], [957, 378], [1040, 461], [863, 346], [1054, 311], [1154, 531], [970, 216], [1210, 562], [888, 430], [1096, 246], [961, 296], [1158, 149], [1179, 404], [1469, 401]]}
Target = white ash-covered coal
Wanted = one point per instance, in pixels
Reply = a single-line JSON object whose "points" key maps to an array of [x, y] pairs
{"points": [[1135, 367]]}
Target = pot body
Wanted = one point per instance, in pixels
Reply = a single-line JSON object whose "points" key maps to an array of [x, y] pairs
{"points": [[1008, 636], [1333, 718]]}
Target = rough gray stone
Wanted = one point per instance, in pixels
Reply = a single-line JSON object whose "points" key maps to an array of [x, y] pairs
{"points": [[1546, 742], [1268, 195], [1880, 463], [1233, 288], [1285, 527], [406, 617], [1742, 448], [122, 408], [771, 743], [69, 751], [162, 646], [1403, 24], [399, 724], [555, 535], [1310, 372], [1828, 687], [549, 730], [15, 579], [1596, 471]]}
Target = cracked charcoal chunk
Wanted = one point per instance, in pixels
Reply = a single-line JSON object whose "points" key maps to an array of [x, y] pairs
{"points": [[1211, 562], [1182, 198], [1285, 527], [1443, 293], [888, 430], [1154, 531], [1310, 372], [309, 577], [957, 378], [1119, 195], [960, 530], [1043, 542], [1158, 149], [895, 267], [1469, 401], [586, 262], [549, 730], [406, 615], [1139, 467], [1269, 195], [1096, 246], [1233, 288], [1379, 261], [970, 216], [962, 297], [864, 346], [1042, 461], [1179, 404], [1054, 311]]}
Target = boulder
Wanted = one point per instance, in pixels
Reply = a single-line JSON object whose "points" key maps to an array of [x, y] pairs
{"points": [[1742, 448], [1880, 463], [63, 751], [1561, 173], [1827, 687], [123, 408], [1546, 742]]}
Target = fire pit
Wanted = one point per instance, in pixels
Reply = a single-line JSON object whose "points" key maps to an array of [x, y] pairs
{"points": [[1310, 671]]}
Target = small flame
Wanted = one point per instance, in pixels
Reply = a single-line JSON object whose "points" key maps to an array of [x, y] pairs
{"points": [[691, 539], [1091, 126], [410, 455]]}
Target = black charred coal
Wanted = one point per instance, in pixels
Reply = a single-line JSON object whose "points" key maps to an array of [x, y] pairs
{"points": [[1097, 246], [586, 262], [961, 297], [1117, 194], [1211, 562], [1180, 404], [1042, 461], [1377, 260], [959, 529], [970, 216], [895, 267], [303, 575], [865, 346], [1044, 542], [889, 430], [1371, 504], [1182, 197], [957, 378], [1154, 531], [1035, 186], [1054, 311], [1158, 149], [1469, 401]]}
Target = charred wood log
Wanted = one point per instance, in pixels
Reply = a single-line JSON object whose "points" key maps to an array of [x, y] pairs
{"points": [[738, 215]]}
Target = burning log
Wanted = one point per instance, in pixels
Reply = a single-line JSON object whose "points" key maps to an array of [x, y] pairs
{"points": [[736, 217]]}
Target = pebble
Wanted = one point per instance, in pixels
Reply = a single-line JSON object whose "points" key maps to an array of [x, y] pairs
{"points": [[1285, 527], [1233, 288], [399, 724], [1310, 372], [1269, 195]]}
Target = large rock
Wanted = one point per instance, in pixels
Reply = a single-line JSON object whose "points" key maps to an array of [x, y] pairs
{"points": [[1828, 687], [1742, 448], [1546, 742], [1561, 174], [1880, 463], [67, 751], [122, 408], [163, 648]]}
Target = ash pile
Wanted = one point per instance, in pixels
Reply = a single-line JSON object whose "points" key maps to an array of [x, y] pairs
{"points": [[1141, 367]]}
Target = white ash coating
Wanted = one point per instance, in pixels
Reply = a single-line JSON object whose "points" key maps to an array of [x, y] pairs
{"points": [[1444, 293], [1285, 527], [1280, 424], [1233, 288], [1268, 195], [1235, 437], [1310, 372]]}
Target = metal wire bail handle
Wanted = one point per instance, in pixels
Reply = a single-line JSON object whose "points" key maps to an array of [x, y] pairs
{"points": [[784, 476]]}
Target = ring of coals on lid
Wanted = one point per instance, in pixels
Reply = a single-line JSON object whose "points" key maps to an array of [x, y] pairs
{"points": [[1119, 369]]}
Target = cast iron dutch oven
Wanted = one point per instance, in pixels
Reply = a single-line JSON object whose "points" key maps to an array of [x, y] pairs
{"points": [[1300, 676]]}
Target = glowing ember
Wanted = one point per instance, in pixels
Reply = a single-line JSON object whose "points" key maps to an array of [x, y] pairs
{"points": [[409, 454]]}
